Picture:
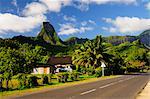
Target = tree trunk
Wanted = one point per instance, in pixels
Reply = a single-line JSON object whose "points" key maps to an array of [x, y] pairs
{"points": [[0, 84], [7, 81]]}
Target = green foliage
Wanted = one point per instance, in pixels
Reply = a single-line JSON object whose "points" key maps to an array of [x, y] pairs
{"points": [[45, 79], [90, 70], [22, 78], [74, 76], [50, 76], [98, 72], [62, 77], [90, 53], [32, 81], [129, 56]]}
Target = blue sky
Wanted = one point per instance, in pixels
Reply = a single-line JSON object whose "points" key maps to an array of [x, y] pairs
{"points": [[80, 18]]}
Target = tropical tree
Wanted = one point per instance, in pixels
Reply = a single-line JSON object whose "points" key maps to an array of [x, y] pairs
{"points": [[9, 63], [91, 53]]}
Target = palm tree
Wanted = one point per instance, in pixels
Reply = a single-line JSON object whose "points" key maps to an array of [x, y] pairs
{"points": [[90, 53]]}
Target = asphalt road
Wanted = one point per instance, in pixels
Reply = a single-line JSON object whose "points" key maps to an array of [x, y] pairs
{"points": [[124, 87]]}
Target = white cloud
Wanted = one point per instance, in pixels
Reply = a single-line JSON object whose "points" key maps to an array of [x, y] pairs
{"points": [[33, 15], [109, 1], [83, 5], [89, 22], [67, 18], [68, 28], [148, 6], [55, 5], [84, 23], [14, 2], [127, 24], [34, 8], [14, 23]]}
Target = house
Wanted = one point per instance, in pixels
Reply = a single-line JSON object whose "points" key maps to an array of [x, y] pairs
{"points": [[61, 64], [54, 65]]}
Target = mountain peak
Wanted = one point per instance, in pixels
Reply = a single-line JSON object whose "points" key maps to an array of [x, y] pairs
{"points": [[49, 35]]}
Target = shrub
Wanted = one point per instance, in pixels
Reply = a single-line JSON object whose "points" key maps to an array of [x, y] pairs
{"points": [[90, 70], [32, 81], [1, 79], [22, 78], [62, 77], [98, 72], [74, 75], [45, 79], [50, 77]]}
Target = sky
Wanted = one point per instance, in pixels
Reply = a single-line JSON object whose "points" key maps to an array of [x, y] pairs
{"points": [[74, 18]]}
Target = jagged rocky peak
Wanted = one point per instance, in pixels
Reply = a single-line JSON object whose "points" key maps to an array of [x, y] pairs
{"points": [[49, 35]]}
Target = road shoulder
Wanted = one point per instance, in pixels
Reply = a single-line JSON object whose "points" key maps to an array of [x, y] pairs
{"points": [[145, 94]]}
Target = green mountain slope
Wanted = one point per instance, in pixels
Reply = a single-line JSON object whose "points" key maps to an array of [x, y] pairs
{"points": [[116, 40], [75, 40], [49, 35], [145, 37]]}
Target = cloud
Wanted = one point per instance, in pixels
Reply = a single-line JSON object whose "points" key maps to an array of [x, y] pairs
{"points": [[43, 6], [89, 22], [14, 23], [34, 8], [83, 5], [67, 18], [148, 6], [14, 2], [32, 15], [127, 24], [55, 5], [69, 28], [109, 1]]}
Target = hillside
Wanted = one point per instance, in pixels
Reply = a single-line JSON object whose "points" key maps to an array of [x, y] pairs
{"points": [[145, 37], [49, 35], [116, 40], [75, 40]]}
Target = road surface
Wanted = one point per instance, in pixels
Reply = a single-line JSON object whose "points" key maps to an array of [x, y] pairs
{"points": [[124, 87]]}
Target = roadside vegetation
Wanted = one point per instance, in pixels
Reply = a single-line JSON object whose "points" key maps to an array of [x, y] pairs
{"points": [[17, 61]]}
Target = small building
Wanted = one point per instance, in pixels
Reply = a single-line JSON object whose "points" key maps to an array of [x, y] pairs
{"points": [[54, 65], [61, 64]]}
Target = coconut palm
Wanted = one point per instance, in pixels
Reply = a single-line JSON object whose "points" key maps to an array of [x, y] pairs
{"points": [[90, 53]]}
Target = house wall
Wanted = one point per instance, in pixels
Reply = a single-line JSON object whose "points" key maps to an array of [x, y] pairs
{"points": [[41, 70]]}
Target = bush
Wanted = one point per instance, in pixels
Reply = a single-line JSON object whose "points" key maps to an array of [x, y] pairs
{"points": [[83, 69], [22, 78], [32, 81], [1, 79], [45, 79], [62, 77], [98, 72], [90, 70], [74, 75], [50, 77], [107, 71]]}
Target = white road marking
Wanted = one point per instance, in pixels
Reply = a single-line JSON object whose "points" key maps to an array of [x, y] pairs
{"points": [[89, 91], [115, 83]]}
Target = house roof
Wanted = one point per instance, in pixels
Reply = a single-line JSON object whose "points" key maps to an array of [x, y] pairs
{"points": [[42, 65], [59, 60]]}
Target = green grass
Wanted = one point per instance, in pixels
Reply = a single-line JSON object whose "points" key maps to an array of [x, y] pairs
{"points": [[55, 84]]}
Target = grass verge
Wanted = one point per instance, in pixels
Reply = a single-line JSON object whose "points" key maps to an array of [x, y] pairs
{"points": [[7, 94]]}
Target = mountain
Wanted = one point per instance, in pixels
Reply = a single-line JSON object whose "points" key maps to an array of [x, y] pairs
{"points": [[145, 37], [116, 40], [49, 35], [75, 40]]}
